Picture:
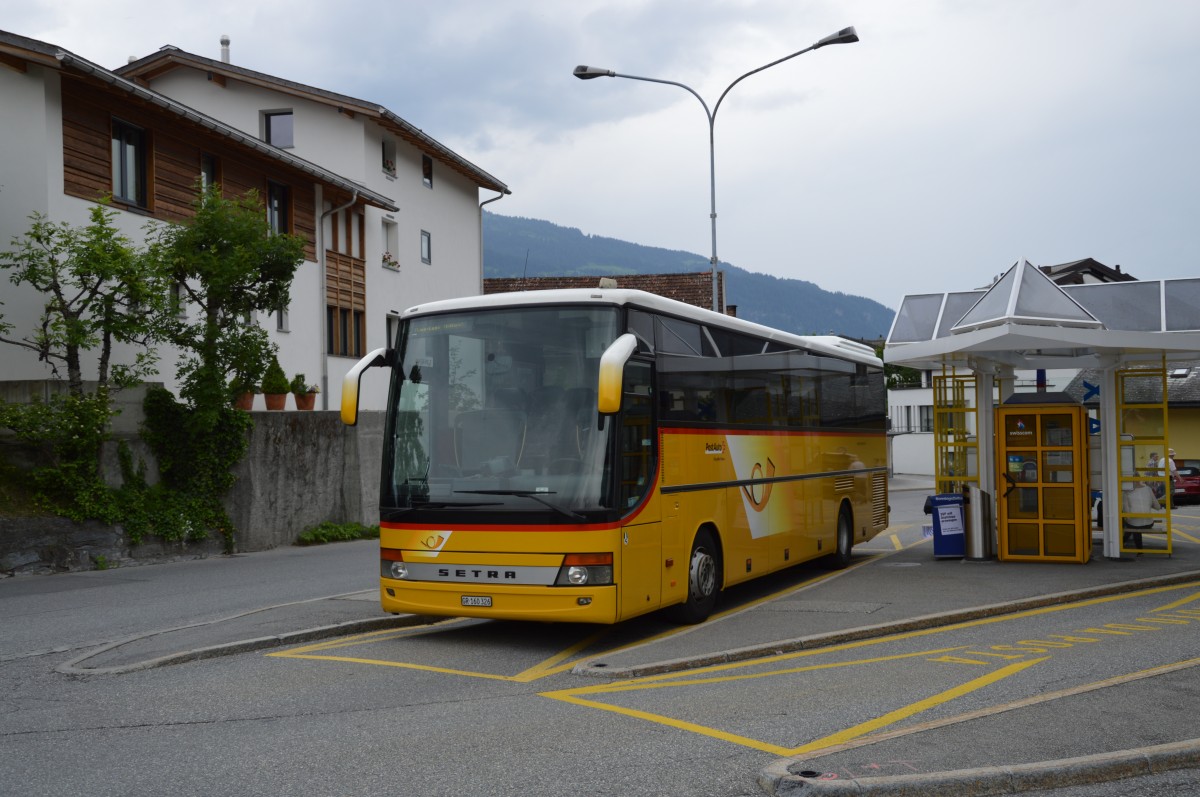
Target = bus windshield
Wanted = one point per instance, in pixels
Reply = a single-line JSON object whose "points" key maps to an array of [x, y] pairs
{"points": [[495, 410]]}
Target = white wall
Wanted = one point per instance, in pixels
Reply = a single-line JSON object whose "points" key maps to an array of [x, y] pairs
{"points": [[352, 147]]}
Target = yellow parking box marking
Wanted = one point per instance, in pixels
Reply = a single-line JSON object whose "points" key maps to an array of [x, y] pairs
{"points": [[689, 679], [892, 717], [403, 665], [989, 711], [896, 543], [1176, 604], [682, 725]]}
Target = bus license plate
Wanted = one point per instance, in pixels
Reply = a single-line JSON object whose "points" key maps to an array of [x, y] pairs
{"points": [[476, 600]]}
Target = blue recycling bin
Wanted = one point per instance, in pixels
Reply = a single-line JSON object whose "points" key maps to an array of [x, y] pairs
{"points": [[949, 526]]}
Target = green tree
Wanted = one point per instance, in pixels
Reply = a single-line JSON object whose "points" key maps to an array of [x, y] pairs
{"points": [[96, 294], [229, 264]]}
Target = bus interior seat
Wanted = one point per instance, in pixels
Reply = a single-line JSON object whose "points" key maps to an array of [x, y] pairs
{"points": [[489, 440], [508, 398]]}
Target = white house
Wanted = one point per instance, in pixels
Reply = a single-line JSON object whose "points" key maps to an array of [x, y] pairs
{"points": [[75, 131], [376, 261]]}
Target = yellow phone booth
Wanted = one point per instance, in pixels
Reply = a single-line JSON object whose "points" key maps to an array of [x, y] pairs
{"points": [[1042, 477]]}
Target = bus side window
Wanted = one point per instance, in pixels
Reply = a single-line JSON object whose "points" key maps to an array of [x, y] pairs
{"points": [[636, 436]]}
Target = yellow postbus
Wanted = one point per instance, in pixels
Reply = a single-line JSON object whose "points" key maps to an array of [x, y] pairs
{"points": [[593, 455]]}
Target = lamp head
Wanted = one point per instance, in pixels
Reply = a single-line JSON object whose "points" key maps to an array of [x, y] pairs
{"points": [[843, 36], [588, 72]]}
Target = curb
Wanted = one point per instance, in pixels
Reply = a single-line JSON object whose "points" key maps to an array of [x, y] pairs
{"points": [[789, 777], [229, 648], [601, 670]]}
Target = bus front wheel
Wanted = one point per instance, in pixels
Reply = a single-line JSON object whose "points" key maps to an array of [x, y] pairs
{"points": [[704, 568], [840, 558]]}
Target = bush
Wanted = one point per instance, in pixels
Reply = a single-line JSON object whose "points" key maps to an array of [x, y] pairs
{"points": [[337, 532], [275, 380], [299, 385]]}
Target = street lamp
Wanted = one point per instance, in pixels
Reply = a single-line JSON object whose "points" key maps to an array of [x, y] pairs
{"points": [[844, 36]]}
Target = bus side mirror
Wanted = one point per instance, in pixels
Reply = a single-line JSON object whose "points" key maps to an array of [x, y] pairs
{"points": [[612, 373], [377, 358]]}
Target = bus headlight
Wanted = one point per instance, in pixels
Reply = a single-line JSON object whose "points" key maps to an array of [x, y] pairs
{"points": [[585, 569], [394, 570], [391, 564]]}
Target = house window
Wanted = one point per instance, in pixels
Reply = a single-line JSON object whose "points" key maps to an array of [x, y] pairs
{"points": [[389, 157], [278, 128], [208, 171], [391, 244], [278, 208], [281, 319], [345, 331], [426, 247], [427, 171], [128, 163], [926, 411], [178, 301]]}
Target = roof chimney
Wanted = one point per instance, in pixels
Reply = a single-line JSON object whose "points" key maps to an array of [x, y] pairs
{"points": [[225, 48]]}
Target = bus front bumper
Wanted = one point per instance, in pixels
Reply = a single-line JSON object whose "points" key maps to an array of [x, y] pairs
{"points": [[558, 604]]}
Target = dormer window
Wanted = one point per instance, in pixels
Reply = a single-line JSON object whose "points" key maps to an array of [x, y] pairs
{"points": [[278, 128]]}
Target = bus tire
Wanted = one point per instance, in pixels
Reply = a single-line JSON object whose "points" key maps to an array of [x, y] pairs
{"points": [[704, 581], [840, 558]]}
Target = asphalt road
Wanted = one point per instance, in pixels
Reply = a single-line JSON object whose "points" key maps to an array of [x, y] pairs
{"points": [[491, 708]]}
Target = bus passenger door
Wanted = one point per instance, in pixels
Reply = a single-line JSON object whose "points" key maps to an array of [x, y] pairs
{"points": [[637, 458]]}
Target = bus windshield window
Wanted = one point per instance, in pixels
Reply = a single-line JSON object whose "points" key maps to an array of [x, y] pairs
{"points": [[491, 407]]}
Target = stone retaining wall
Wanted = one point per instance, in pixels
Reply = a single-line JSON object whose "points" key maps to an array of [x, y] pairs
{"points": [[301, 469]]}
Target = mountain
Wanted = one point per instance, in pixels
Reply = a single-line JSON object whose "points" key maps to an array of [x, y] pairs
{"points": [[514, 247]]}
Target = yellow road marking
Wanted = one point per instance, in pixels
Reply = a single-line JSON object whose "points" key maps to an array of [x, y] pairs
{"points": [[1176, 532], [702, 730], [892, 717], [989, 711], [896, 543], [657, 682]]}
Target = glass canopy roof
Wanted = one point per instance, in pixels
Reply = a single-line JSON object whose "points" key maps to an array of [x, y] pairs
{"points": [[1026, 296]]}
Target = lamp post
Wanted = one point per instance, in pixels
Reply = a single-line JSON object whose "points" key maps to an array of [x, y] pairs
{"points": [[844, 36]]}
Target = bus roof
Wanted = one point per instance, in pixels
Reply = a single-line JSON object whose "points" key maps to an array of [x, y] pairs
{"points": [[832, 345]]}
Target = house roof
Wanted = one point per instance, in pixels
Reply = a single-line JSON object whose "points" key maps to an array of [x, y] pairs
{"points": [[1086, 271], [1026, 320], [170, 57], [16, 51]]}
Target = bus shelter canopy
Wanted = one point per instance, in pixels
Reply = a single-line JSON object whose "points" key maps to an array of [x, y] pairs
{"points": [[1026, 321]]}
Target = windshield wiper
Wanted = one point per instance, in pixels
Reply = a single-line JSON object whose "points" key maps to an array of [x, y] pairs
{"points": [[535, 495], [455, 504]]}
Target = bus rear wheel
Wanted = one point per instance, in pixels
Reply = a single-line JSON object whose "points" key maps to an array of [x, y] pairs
{"points": [[840, 558], [704, 568]]}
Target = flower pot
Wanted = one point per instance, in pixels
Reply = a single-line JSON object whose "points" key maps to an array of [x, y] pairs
{"points": [[305, 401], [244, 401], [275, 401]]}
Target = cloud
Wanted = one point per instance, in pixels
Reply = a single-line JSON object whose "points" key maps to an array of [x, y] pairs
{"points": [[951, 140]]}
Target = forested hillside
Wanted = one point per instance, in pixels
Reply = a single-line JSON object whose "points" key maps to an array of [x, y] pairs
{"points": [[515, 247]]}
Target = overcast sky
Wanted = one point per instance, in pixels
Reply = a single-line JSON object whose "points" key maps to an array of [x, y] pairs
{"points": [[956, 137]]}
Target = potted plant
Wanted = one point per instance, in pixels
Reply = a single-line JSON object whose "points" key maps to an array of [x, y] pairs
{"points": [[275, 385], [242, 392], [305, 394]]}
